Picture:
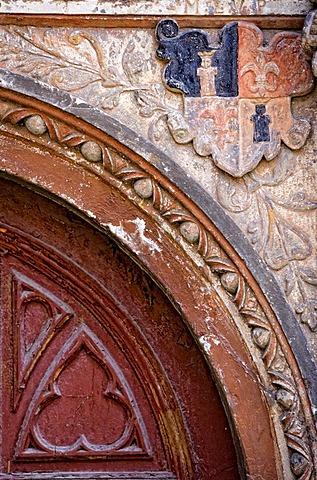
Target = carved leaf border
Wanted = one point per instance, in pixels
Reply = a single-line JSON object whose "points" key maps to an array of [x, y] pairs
{"points": [[39, 53], [281, 244], [75, 61], [150, 192]]}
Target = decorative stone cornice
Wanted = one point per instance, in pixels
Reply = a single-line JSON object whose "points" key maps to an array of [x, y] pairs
{"points": [[212, 8]]}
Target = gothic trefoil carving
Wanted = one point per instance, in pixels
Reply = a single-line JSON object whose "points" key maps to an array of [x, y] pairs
{"points": [[137, 181], [30, 336], [59, 398], [237, 95]]}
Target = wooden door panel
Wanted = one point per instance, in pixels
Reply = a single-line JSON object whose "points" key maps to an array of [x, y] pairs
{"points": [[38, 314], [83, 390], [71, 398], [99, 372]]}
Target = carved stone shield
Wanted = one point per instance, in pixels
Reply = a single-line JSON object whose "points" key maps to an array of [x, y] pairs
{"points": [[237, 96]]}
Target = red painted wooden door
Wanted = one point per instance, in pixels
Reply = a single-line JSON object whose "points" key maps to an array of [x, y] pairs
{"points": [[100, 377]]}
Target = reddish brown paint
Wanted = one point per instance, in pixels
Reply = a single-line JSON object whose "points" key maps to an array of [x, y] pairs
{"points": [[258, 455], [59, 272], [230, 362], [282, 22], [276, 70]]}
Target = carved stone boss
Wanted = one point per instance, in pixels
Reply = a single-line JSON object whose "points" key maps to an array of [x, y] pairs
{"points": [[237, 95]]}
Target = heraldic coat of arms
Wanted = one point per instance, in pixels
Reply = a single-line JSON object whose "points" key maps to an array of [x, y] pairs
{"points": [[237, 95]]}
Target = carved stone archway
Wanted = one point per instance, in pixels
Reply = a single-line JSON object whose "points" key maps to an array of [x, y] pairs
{"points": [[229, 301]]}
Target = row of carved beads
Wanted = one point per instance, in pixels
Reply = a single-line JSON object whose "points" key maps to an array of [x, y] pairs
{"points": [[230, 278]]}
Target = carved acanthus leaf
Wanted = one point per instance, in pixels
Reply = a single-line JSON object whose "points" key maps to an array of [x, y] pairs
{"points": [[279, 241]]}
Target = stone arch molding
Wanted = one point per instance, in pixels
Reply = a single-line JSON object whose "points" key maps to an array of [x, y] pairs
{"points": [[189, 246]]}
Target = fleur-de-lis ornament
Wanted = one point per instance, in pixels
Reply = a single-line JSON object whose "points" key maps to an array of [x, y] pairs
{"points": [[261, 69], [237, 94]]}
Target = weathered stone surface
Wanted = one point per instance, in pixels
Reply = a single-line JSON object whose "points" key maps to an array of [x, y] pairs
{"points": [[117, 70], [237, 94], [163, 7], [276, 360], [91, 151], [273, 203], [35, 124]]}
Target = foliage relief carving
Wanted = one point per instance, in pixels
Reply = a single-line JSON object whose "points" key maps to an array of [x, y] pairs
{"points": [[286, 249], [77, 62], [215, 262]]}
